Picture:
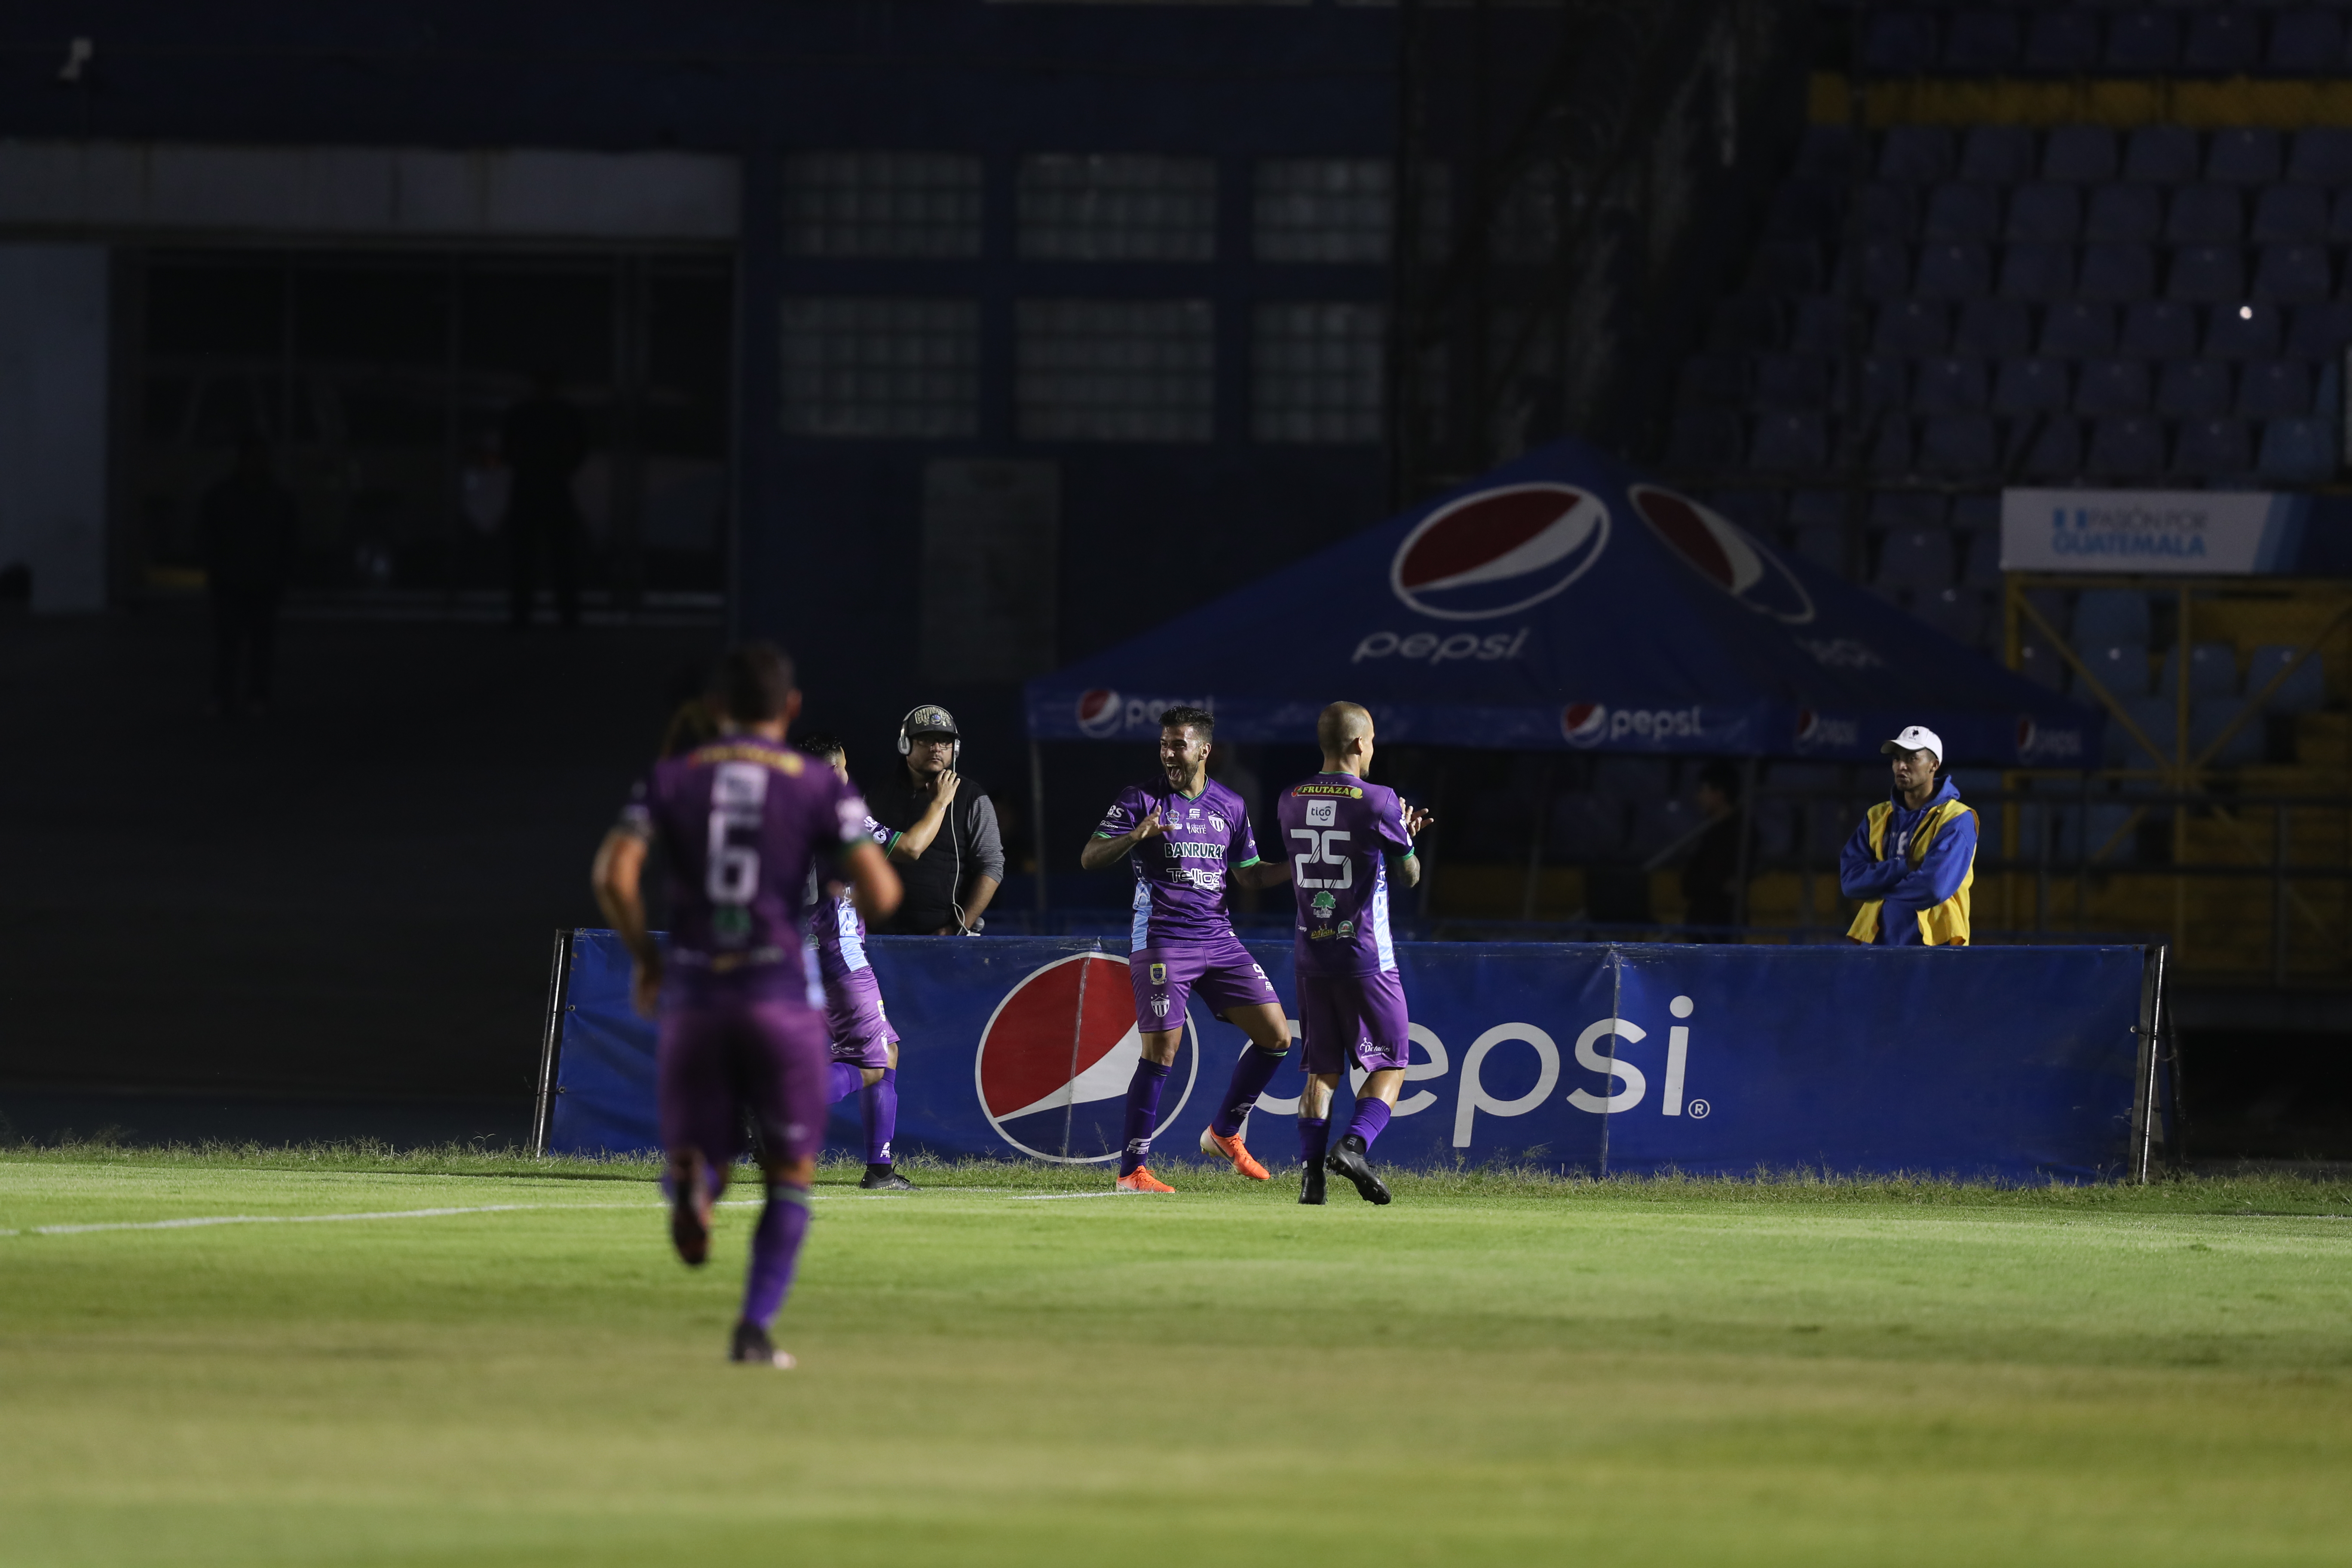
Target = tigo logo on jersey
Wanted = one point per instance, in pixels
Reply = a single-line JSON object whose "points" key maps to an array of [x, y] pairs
{"points": [[1061, 1100], [1588, 724], [1816, 731], [1723, 554], [1499, 550]]}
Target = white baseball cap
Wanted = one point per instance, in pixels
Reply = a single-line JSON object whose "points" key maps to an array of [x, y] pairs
{"points": [[1915, 738]]}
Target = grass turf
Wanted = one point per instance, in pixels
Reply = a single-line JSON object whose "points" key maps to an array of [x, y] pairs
{"points": [[1498, 1368]]}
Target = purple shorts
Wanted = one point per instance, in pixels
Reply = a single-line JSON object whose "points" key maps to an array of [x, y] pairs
{"points": [[1353, 1020], [1165, 977], [861, 1031], [715, 1064]]}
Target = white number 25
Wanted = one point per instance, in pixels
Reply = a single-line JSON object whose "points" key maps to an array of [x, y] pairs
{"points": [[1323, 850]]}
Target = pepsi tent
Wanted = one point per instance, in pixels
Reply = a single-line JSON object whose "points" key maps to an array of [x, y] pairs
{"points": [[1562, 601]]}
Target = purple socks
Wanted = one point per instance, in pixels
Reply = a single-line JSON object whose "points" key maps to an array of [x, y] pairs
{"points": [[775, 1248], [1142, 1113], [1314, 1138], [1251, 1073], [842, 1081], [1370, 1120], [878, 1103]]}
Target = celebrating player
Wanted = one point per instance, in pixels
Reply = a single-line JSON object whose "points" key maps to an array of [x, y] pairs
{"points": [[864, 1046], [1190, 836], [743, 820], [1340, 830]]}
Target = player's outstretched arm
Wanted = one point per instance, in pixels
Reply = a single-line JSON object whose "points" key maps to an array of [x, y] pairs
{"points": [[1265, 874], [872, 886], [1100, 852], [616, 876], [1406, 868], [910, 844]]}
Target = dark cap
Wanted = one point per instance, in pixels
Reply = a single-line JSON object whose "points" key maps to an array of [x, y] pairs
{"points": [[931, 719]]}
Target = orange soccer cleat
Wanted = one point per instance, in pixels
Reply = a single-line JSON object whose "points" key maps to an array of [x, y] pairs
{"points": [[1232, 1149], [1142, 1180]]}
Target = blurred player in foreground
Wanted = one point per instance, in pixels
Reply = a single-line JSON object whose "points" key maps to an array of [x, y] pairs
{"points": [[1340, 830], [1190, 835], [744, 820], [864, 1046]]}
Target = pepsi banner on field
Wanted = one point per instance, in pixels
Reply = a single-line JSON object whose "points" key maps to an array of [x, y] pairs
{"points": [[1565, 602], [2010, 1063]]}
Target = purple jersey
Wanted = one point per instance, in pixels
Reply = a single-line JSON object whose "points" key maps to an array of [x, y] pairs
{"points": [[837, 930], [743, 821], [1180, 876], [1338, 831]]}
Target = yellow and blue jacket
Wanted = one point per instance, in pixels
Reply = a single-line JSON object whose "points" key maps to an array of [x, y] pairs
{"points": [[1917, 863]]}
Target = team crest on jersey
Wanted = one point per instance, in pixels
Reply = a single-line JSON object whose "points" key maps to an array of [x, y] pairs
{"points": [[1160, 1006], [1160, 977], [1217, 822], [1347, 930], [1323, 903]]}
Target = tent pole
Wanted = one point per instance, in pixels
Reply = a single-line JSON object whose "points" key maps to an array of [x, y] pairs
{"points": [[1746, 837], [1536, 841], [1037, 816]]}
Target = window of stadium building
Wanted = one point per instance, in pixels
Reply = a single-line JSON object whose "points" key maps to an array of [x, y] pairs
{"points": [[1339, 209], [1118, 207], [1315, 373], [882, 205], [904, 368], [1114, 370]]}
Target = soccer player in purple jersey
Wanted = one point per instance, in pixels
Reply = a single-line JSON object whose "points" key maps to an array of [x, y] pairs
{"points": [[743, 820], [864, 1046], [1190, 836], [1340, 830]]}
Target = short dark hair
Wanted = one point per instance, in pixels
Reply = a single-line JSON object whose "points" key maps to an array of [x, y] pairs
{"points": [[817, 743], [752, 682], [1199, 718]]}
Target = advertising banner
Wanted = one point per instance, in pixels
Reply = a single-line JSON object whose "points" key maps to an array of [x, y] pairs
{"points": [[2013, 1063], [2187, 532]]}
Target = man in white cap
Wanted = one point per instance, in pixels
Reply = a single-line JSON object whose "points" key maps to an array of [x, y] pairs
{"points": [[1913, 859]]}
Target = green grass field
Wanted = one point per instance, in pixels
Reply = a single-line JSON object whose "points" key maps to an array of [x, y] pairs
{"points": [[1496, 1369]]}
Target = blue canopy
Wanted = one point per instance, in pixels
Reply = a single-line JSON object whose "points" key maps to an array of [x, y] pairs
{"points": [[1565, 602]]}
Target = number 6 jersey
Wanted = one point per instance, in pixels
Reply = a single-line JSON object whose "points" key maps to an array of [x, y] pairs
{"points": [[1338, 831]]}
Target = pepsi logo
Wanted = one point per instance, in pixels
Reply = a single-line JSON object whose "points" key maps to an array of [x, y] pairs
{"points": [[2037, 744], [1054, 1059], [1499, 550], [1815, 730], [1099, 711], [1584, 723], [1723, 553]]}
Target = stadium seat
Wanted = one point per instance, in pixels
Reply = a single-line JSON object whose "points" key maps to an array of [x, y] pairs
{"points": [[2110, 616], [2047, 446], [2212, 670], [2119, 273], [2112, 386], [2305, 692], [1888, 210], [2126, 449], [1758, 511], [1883, 268], [1892, 453], [1823, 544], [1820, 325], [2051, 603], [2339, 218], [2041, 272], [1960, 445], [2246, 156], [1979, 546], [1817, 509], [1975, 514], [2209, 718], [1706, 441], [2291, 215], [2121, 668], [2080, 154], [1959, 612], [1712, 381], [2244, 331], [2206, 272], [2221, 41], [1745, 323], [1918, 154], [2193, 389], [1914, 326], [1784, 382], [1949, 386], [2118, 213], [1900, 43], [1915, 557], [2206, 214], [2306, 42], [1955, 271], [2292, 274], [2275, 389], [2159, 328], [1830, 152], [2319, 332], [2158, 721], [1792, 442], [1961, 214], [1885, 384], [1999, 154], [2298, 451], [2161, 154], [2039, 665], [2142, 41], [1997, 329], [1585, 827], [2049, 214], [2106, 838], [1981, 41], [1898, 509], [2030, 386], [2322, 154], [2061, 42], [1808, 208], [2214, 448], [1786, 266], [2077, 329]]}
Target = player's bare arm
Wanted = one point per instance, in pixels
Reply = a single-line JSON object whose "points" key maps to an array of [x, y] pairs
{"points": [[1101, 852], [917, 837], [1265, 874], [616, 876], [1407, 869]]}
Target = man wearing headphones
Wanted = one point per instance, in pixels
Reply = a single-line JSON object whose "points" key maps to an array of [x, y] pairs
{"points": [[950, 881]]}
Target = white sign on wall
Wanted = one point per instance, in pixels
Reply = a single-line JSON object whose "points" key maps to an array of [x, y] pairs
{"points": [[2187, 532]]}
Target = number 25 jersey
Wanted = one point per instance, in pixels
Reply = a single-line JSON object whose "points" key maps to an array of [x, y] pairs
{"points": [[1338, 831]]}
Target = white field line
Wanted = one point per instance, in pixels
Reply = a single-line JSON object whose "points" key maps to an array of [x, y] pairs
{"points": [[1050, 1197]]}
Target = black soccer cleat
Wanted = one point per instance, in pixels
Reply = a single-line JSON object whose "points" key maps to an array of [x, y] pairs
{"points": [[883, 1179], [1348, 1160], [1310, 1183], [752, 1345], [689, 1212]]}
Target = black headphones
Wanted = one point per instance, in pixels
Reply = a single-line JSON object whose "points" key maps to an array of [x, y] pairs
{"points": [[934, 718]]}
